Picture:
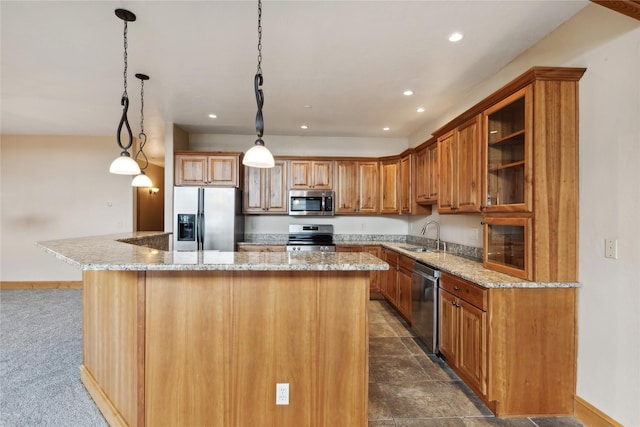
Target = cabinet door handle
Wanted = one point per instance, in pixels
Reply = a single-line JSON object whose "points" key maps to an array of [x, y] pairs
{"points": [[453, 303], [456, 288]]}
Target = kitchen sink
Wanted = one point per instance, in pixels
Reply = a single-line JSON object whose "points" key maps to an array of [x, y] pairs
{"points": [[417, 249]]}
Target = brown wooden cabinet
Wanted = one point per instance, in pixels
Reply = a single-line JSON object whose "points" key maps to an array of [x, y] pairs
{"points": [[508, 245], [203, 169], [403, 297], [463, 329], [376, 275], [390, 282], [514, 347], [265, 189], [375, 291], [396, 286], [311, 174], [406, 201], [356, 186], [530, 178], [390, 186], [507, 171], [459, 164], [426, 171]]}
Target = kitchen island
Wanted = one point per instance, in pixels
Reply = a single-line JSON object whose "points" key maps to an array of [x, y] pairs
{"points": [[202, 338]]}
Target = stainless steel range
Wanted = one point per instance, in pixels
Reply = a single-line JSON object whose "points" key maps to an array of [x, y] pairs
{"points": [[310, 238]]}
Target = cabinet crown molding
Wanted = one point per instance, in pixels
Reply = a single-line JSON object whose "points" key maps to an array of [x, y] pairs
{"points": [[526, 78]]}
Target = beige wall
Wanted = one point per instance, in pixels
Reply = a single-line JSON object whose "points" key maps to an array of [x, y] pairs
{"points": [[608, 45], [56, 187], [302, 145]]}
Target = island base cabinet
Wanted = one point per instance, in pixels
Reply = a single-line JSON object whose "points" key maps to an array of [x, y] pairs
{"points": [[167, 348], [112, 343]]}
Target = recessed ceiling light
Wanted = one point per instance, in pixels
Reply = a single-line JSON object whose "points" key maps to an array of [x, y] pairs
{"points": [[304, 127], [420, 110], [455, 37], [308, 107], [386, 128], [213, 116], [407, 92]]}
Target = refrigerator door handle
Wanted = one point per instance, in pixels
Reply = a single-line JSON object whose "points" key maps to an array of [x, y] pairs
{"points": [[200, 219], [200, 231]]}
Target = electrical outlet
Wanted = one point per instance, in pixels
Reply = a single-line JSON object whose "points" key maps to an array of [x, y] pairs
{"points": [[474, 234], [611, 248], [282, 393]]}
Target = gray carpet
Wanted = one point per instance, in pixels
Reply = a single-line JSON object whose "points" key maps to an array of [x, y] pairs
{"points": [[40, 352]]}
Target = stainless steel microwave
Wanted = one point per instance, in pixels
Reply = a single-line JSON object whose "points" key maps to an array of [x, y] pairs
{"points": [[311, 202]]}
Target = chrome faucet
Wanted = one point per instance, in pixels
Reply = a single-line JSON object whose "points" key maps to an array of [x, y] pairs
{"points": [[425, 228]]}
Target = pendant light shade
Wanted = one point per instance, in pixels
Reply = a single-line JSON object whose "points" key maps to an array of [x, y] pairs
{"points": [[258, 156], [124, 165], [141, 180]]}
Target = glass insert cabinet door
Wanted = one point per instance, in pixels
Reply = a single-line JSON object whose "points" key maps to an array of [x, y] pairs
{"points": [[508, 154], [507, 246]]}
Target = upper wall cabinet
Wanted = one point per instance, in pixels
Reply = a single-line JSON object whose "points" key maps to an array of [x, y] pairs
{"points": [[307, 175], [204, 169], [265, 189], [459, 153], [425, 181], [406, 201], [531, 176], [356, 186], [507, 151], [390, 186]]}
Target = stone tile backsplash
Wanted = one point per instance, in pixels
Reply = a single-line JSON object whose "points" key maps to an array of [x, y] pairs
{"points": [[469, 252]]}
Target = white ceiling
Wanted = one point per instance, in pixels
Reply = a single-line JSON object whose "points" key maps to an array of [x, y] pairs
{"points": [[62, 63]]}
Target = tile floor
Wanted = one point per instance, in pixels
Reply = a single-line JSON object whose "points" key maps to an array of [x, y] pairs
{"points": [[408, 388]]}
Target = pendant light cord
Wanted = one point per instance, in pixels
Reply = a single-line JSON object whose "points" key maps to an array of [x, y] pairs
{"points": [[125, 101], [142, 136], [257, 80]]}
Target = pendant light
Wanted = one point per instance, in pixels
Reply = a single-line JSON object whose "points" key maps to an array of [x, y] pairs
{"points": [[259, 156], [142, 180], [124, 164]]}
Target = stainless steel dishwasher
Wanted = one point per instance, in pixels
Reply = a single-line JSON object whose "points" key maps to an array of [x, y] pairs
{"points": [[424, 304]]}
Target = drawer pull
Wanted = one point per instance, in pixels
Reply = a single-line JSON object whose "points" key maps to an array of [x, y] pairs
{"points": [[456, 288]]}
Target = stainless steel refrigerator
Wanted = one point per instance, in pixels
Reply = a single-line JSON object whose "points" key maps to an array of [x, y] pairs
{"points": [[207, 218]]}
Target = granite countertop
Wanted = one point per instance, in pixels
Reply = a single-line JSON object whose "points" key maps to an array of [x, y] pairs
{"points": [[118, 252], [471, 270], [468, 269]]}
